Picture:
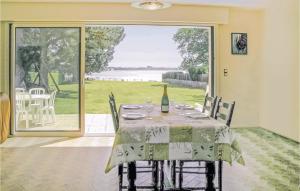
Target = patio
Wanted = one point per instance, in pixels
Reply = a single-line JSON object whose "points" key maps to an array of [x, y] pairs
{"points": [[94, 124], [99, 124], [64, 122]]}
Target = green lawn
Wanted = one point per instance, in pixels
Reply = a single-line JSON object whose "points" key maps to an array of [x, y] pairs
{"points": [[96, 95]]}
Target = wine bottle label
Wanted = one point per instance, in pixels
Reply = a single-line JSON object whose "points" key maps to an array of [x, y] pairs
{"points": [[165, 108]]}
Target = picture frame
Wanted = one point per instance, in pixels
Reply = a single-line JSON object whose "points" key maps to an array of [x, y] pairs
{"points": [[239, 43]]}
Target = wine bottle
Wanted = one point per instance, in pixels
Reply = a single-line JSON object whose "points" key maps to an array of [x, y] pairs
{"points": [[165, 101]]}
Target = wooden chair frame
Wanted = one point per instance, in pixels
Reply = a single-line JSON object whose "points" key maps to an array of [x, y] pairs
{"points": [[209, 108], [121, 168], [215, 112]]}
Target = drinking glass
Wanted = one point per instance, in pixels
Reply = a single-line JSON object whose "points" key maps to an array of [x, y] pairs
{"points": [[148, 100], [149, 109], [172, 103], [182, 105]]}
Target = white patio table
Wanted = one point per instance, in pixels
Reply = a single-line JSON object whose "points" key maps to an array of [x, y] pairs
{"points": [[41, 99]]}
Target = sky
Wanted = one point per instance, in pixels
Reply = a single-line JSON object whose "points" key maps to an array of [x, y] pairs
{"points": [[147, 46]]}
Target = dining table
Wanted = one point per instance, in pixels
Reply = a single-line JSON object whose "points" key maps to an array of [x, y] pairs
{"points": [[181, 134]]}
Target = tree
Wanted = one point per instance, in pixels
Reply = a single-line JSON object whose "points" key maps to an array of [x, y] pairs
{"points": [[193, 45], [100, 46], [29, 58], [59, 51]]}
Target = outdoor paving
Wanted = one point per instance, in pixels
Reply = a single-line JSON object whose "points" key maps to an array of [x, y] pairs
{"points": [[63, 122], [99, 124], [94, 124]]}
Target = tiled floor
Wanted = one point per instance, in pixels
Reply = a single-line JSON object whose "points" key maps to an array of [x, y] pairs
{"points": [[66, 164], [273, 159]]}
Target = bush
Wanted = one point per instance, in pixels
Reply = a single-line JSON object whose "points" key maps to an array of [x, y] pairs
{"points": [[196, 71]]}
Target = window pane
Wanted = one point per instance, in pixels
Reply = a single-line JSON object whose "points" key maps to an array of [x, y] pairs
{"points": [[134, 62], [47, 76]]}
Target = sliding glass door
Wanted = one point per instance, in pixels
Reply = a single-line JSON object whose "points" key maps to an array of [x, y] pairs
{"points": [[46, 76], [134, 62]]}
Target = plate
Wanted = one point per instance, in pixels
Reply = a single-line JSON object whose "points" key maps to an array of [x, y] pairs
{"points": [[133, 116], [132, 106], [197, 115], [185, 107]]}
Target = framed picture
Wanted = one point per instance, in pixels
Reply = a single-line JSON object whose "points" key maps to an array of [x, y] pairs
{"points": [[239, 43]]}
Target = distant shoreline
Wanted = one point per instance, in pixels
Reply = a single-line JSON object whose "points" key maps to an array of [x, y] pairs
{"points": [[140, 68], [131, 74]]}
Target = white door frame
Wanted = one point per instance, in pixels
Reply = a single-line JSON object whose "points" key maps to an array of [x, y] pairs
{"points": [[64, 133], [81, 24]]}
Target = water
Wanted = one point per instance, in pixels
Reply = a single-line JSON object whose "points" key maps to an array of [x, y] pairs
{"points": [[130, 75]]}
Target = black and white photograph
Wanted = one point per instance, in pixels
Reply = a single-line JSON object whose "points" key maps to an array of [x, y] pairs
{"points": [[239, 43]]}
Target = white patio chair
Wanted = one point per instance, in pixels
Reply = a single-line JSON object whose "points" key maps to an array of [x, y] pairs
{"points": [[36, 105], [49, 107], [21, 109], [37, 91], [20, 90]]}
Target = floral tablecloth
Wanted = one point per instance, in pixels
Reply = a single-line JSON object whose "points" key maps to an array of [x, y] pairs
{"points": [[172, 136]]}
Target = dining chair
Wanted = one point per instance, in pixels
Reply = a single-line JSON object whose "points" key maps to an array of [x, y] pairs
{"points": [[224, 113], [114, 114], [123, 169], [209, 105], [112, 97], [209, 108]]}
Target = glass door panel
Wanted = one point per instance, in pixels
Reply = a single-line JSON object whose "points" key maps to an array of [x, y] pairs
{"points": [[46, 78]]}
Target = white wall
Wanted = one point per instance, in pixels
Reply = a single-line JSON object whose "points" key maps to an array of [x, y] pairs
{"points": [[243, 80], [279, 96], [299, 70], [111, 12], [1, 62]]}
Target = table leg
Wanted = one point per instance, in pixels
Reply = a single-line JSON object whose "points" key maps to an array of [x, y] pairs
{"points": [[131, 176], [120, 174], [162, 175], [173, 172], [220, 174], [155, 175], [180, 174], [210, 175]]}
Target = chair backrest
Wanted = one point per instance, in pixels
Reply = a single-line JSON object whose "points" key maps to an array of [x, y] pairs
{"points": [[21, 102], [52, 98], [20, 90], [114, 114], [112, 97], [224, 112], [209, 105], [37, 91]]}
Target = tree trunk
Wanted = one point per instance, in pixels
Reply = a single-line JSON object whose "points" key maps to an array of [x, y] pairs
{"points": [[20, 74], [43, 74]]}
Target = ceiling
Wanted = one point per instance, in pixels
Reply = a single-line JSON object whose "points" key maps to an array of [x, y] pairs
{"points": [[231, 3]]}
